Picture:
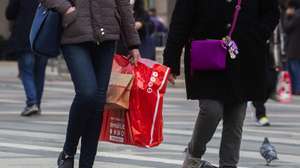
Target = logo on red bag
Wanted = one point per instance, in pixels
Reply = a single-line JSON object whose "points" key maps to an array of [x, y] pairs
{"points": [[152, 81], [117, 130]]}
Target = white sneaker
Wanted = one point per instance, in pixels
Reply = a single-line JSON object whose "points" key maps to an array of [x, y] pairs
{"points": [[263, 121]]}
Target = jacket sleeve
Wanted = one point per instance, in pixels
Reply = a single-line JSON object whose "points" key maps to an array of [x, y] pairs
{"points": [[60, 5], [12, 10], [127, 21], [269, 14], [179, 32], [290, 23]]}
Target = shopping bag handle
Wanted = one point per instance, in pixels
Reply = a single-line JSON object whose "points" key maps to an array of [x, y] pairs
{"points": [[122, 60]]}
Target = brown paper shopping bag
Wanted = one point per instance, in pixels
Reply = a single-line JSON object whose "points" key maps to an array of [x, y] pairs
{"points": [[119, 91]]}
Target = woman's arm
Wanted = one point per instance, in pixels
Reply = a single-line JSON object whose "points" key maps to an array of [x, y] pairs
{"points": [[12, 10], [61, 6], [128, 23], [269, 14], [180, 28]]}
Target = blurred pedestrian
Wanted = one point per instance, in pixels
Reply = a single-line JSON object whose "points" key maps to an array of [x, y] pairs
{"points": [[160, 29], [276, 62], [32, 67], [145, 28], [261, 116], [222, 94], [159, 23], [292, 28], [91, 29]]}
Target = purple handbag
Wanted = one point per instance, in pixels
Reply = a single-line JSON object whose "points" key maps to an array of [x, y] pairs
{"points": [[210, 55]]}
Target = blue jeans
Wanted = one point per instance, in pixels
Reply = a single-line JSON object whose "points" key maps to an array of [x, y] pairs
{"points": [[294, 69], [90, 68], [32, 72]]}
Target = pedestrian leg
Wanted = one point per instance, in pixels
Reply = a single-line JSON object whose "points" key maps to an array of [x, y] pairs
{"points": [[260, 109], [233, 119], [26, 64], [211, 112], [40, 69], [102, 60]]}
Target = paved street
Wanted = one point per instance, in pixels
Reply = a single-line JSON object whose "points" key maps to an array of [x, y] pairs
{"points": [[35, 142]]}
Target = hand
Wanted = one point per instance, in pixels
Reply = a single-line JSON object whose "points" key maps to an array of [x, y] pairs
{"points": [[70, 10], [172, 78], [290, 11], [138, 25], [134, 56]]}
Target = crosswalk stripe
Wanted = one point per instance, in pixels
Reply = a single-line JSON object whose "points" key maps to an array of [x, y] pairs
{"points": [[245, 137], [103, 154], [175, 113], [261, 130], [170, 90], [165, 146], [244, 154], [191, 123], [287, 140], [167, 113]]}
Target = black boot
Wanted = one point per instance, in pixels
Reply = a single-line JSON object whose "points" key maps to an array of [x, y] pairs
{"points": [[65, 161]]}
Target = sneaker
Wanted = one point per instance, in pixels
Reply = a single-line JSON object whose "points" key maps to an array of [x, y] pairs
{"points": [[39, 111], [65, 161], [192, 162], [30, 110], [263, 121]]}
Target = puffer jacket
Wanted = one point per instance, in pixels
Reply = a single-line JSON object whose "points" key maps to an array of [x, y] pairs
{"points": [[96, 20]]}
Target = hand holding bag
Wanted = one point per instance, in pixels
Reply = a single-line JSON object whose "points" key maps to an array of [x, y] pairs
{"points": [[210, 55], [46, 31]]}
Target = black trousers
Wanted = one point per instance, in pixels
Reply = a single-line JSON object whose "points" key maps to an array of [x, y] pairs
{"points": [[211, 113], [260, 109]]}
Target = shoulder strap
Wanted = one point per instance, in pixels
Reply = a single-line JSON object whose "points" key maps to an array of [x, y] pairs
{"points": [[235, 17]]}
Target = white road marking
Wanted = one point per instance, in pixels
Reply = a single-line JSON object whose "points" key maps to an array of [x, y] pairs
{"points": [[245, 137], [261, 130], [116, 155]]}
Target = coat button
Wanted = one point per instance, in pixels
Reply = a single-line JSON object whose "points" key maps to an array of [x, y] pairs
{"points": [[228, 26], [102, 33], [102, 29]]}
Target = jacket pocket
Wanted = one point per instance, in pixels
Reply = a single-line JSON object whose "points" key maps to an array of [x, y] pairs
{"points": [[68, 19]]}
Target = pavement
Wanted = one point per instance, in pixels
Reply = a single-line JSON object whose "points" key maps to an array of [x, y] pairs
{"points": [[36, 141]]}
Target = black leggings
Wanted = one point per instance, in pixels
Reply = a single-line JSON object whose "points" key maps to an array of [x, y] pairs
{"points": [[90, 68]]}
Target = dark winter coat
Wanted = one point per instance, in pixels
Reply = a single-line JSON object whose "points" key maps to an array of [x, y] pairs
{"points": [[147, 47], [244, 77], [21, 14], [96, 20], [292, 28]]}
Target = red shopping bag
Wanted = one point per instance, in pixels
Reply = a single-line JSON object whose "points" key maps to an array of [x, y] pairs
{"points": [[146, 103], [283, 91], [142, 124], [116, 127]]}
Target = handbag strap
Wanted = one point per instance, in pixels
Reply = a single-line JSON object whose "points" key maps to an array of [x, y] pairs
{"points": [[235, 17]]}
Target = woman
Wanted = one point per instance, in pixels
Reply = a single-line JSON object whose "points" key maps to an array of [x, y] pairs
{"points": [[222, 94], [292, 28], [145, 28], [91, 29], [32, 67]]}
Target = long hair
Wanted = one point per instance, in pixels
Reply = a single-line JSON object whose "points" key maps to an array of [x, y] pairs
{"points": [[139, 8]]}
